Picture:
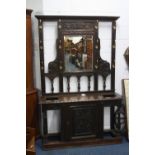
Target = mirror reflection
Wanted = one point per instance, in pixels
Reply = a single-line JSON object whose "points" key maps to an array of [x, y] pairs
{"points": [[78, 53]]}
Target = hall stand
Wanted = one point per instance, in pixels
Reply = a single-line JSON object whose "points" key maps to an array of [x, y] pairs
{"points": [[81, 112]]}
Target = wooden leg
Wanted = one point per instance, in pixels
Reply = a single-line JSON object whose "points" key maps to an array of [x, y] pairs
{"points": [[100, 116], [112, 117], [44, 128], [45, 122], [119, 121]]}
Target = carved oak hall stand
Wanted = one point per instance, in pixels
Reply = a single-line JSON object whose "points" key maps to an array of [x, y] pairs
{"points": [[81, 112]]}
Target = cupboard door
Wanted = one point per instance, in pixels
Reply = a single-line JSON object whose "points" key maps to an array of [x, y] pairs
{"points": [[81, 121]]}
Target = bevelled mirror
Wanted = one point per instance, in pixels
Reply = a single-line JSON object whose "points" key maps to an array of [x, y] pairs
{"points": [[78, 41], [78, 53]]}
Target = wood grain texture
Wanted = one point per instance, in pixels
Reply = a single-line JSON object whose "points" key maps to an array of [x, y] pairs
{"points": [[31, 93], [29, 63]]}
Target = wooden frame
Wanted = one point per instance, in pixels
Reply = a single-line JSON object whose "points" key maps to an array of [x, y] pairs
{"points": [[77, 25], [78, 125], [125, 83]]}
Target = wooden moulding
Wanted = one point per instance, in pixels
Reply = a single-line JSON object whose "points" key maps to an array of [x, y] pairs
{"points": [[28, 12], [56, 17], [82, 143]]}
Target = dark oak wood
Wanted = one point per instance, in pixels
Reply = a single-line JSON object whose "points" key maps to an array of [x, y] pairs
{"points": [[86, 109], [75, 27], [82, 143], [112, 117], [41, 48], [81, 97], [81, 113], [113, 47], [55, 18]]}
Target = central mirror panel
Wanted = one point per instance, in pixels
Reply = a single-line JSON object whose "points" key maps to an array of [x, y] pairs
{"points": [[78, 53]]}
